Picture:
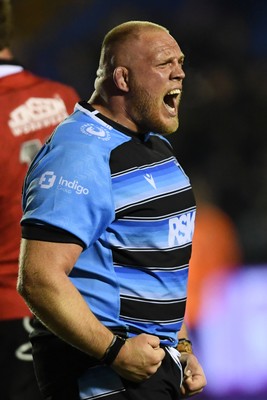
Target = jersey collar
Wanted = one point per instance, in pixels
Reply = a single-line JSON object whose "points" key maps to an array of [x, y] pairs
{"points": [[115, 125]]}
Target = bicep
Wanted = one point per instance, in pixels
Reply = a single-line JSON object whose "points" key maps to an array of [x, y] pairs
{"points": [[40, 259]]}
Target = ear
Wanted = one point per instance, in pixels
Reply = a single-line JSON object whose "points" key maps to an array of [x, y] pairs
{"points": [[120, 77]]}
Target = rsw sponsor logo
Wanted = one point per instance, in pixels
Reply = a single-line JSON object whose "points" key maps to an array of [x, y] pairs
{"points": [[48, 180], [37, 113], [149, 178], [181, 229]]}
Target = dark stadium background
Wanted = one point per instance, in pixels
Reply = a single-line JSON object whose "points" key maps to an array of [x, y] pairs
{"points": [[222, 139]]}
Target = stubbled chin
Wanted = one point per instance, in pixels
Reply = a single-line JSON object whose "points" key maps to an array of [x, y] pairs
{"points": [[171, 125], [174, 128]]}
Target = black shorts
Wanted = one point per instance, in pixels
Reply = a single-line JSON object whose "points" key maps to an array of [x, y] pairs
{"points": [[17, 378], [65, 373]]}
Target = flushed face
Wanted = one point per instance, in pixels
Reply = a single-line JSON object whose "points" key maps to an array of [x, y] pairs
{"points": [[155, 64]]}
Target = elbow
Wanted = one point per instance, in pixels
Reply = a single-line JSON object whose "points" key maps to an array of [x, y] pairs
{"points": [[24, 287], [21, 287]]}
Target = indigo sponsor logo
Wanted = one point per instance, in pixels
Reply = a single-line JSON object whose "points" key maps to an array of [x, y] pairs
{"points": [[72, 186], [49, 178]]}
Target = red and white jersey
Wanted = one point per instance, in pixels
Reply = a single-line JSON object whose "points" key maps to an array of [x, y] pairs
{"points": [[30, 108]]}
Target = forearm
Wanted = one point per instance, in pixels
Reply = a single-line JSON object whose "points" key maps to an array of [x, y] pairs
{"points": [[183, 332], [62, 310], [57, 303]]}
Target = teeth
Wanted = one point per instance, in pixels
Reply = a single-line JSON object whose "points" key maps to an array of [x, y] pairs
{"points": [[174, 91]]}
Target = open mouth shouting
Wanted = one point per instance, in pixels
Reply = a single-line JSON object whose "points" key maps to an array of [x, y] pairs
{"points": [[171, 101]]}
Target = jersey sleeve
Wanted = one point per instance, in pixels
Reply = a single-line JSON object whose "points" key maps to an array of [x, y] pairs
{"points": [[69, 186]]}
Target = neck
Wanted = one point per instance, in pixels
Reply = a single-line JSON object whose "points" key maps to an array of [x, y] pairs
{"points": [[114, 109]]}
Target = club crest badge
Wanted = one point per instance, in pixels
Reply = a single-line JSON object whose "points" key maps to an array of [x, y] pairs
{"points": [[94, 130]]}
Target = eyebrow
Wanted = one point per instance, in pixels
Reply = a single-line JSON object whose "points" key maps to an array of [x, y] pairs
{"points": [[180, 59]]}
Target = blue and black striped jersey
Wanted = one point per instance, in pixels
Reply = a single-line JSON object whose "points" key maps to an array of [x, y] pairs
{"points": [[129, 202]]}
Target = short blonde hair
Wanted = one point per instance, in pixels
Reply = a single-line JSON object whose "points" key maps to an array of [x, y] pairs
{"points": [[117, 36]]}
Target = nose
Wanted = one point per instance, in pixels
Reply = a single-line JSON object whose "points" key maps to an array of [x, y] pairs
{"points": [[178, 72]]}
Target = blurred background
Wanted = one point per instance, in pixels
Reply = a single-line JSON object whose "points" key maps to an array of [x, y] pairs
{"points": [[221, 143]]}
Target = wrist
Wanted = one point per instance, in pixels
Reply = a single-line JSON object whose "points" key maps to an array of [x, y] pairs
{"points": [[185, 346], [113, 350]]}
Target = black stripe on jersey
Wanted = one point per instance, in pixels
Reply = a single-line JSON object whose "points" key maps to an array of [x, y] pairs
{"points": [[129, 156], [140, 321], [158, 206], [159, 218], [151, 310], [150, 199], [152, 259], [159, 268], [143, 166], [135, 249]]}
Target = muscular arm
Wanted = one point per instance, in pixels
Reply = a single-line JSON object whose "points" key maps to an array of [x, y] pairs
{"points": [[44, 284]]}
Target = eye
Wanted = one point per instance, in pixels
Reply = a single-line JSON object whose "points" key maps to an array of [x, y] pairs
{"points": [[165, 64]]}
